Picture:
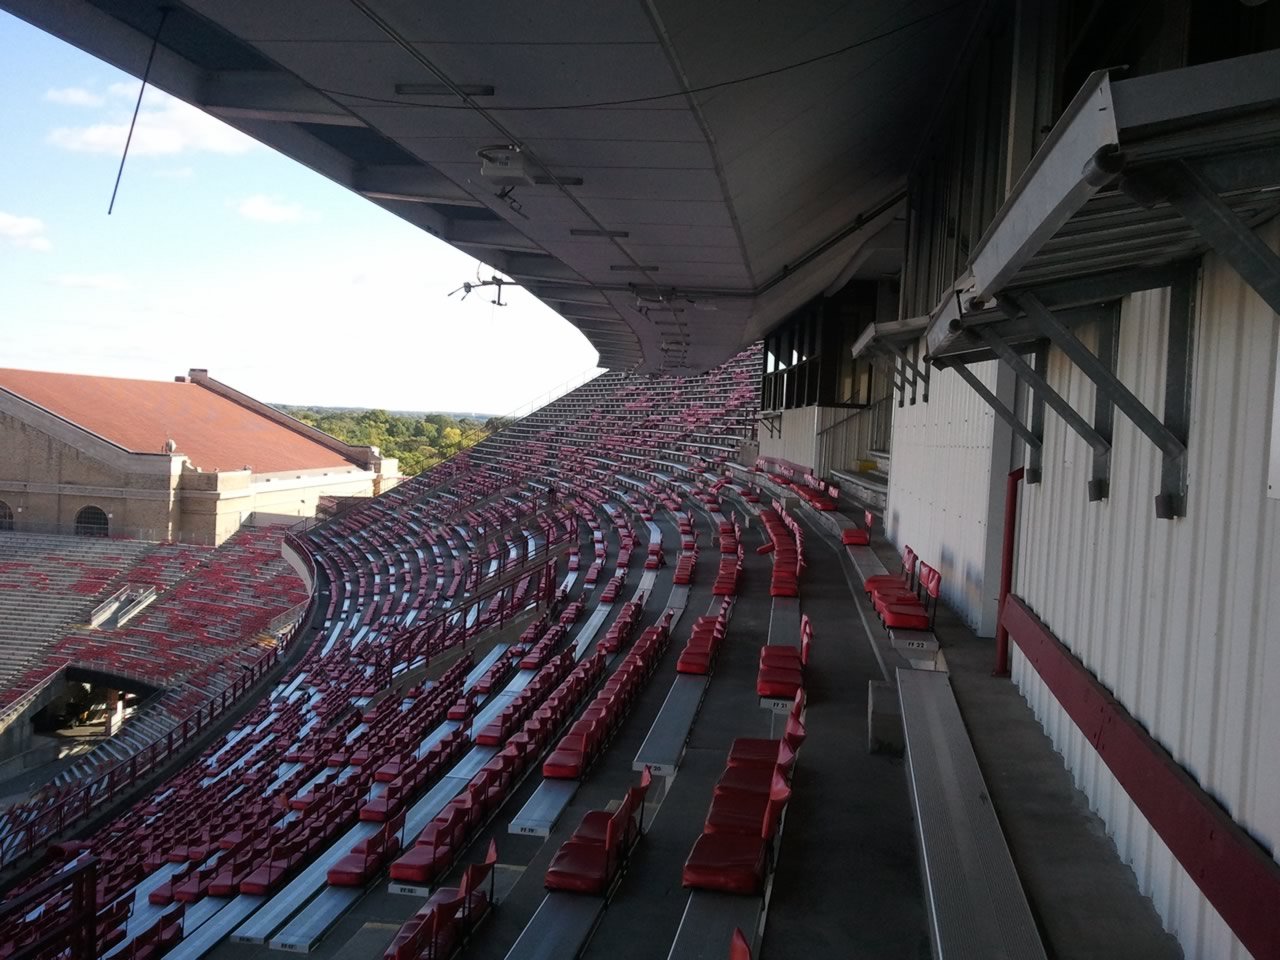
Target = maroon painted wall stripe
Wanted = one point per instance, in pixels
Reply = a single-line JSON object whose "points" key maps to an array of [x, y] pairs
{"points": [[1234, 873]]}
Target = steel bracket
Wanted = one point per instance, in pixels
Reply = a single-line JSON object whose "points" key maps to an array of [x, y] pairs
{"points": [[1168, 434], [1235, 241], [1041, 388], [918, 375]]}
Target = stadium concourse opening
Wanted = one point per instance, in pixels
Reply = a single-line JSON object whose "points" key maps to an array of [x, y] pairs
{"points": [[905, 587]]}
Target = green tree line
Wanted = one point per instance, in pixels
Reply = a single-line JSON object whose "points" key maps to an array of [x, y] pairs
{"points": [[418, 441]]}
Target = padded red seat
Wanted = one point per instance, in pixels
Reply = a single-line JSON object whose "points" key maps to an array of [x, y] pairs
{"points": [[912, 614], [748, 749], [745, 811], [568, 759], [729, 863], [891, 581], [855, 537], [582, 866]]}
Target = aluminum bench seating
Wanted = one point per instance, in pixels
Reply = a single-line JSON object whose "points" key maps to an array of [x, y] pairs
{"points": [[976, 904]]}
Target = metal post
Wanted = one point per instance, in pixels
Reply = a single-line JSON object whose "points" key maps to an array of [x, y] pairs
{"points": [[1006, 570], [1035, 459], [1171, 502], [1103, 409]]}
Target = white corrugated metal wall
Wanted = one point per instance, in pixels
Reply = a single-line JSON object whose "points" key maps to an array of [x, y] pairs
{"points": [[797, 438], [823, 438], [943, 500], [1180, 619]]}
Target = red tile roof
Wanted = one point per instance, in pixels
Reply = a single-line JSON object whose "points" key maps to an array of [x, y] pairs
{"points": [[142, 415]]}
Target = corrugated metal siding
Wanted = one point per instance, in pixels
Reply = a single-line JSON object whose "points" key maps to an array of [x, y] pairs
{"points": [[940, 490], [844, 437], [1178, 618], [797, 440]]}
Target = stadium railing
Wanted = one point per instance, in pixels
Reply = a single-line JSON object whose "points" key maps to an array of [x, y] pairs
{"points": [[20, 838]]}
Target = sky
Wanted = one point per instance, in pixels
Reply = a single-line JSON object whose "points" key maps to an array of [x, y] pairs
{"points": [[223, 254]]}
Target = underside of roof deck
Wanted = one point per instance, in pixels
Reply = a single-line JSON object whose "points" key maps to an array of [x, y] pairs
{"points": [[692, 171]]}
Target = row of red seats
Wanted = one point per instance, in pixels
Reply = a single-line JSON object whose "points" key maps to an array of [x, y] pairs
{"points": [[624, 624], [817, 497], [594, 856], [449, 916], [685, 567], [543, 649], [699, 653], [496, 732], [781, 672], [436, 847], [733, 855], [406, 778], [590, 733], [611, 589], [906, 601], [368, 856], [786, 546], [726, 584]]}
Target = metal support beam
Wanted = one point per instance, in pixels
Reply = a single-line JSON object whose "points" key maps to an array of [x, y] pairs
{"points": [[899, 380], [1103, 408], [918, 376], [1041, 387], [1103, 379], [1237, 243], [1035, 460], [996, 404], [1171, 501]]}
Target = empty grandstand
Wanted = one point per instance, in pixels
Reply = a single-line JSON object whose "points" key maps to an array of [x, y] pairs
{"points": [[906, 587]]}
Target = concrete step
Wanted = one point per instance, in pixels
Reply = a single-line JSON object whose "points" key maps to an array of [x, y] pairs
{"points": [[870, 488], [881, 458]]}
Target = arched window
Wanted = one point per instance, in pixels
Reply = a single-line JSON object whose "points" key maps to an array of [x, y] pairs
{"points": [[91, 522], [6, 516]]}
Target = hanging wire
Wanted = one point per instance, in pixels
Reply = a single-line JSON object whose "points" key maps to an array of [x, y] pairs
{"points": [[146, 74]]}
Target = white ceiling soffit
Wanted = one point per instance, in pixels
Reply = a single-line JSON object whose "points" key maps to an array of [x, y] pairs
{"points": [[679, 209]]}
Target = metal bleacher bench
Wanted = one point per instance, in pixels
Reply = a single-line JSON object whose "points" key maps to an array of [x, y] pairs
{"points": [[977, 908]]}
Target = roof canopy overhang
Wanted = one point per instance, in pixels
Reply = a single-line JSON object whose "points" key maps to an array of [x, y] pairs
{"points": [[669, 208]]}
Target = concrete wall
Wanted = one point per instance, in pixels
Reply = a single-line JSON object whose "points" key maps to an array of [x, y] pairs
{"points": [[50, 470], [1179, 618], [946, 488]]}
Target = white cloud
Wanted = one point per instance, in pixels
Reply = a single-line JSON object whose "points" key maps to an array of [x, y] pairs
{"points": [[25, 232], [166, 126], [109, 282], [266, 209], [74, 97]]}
